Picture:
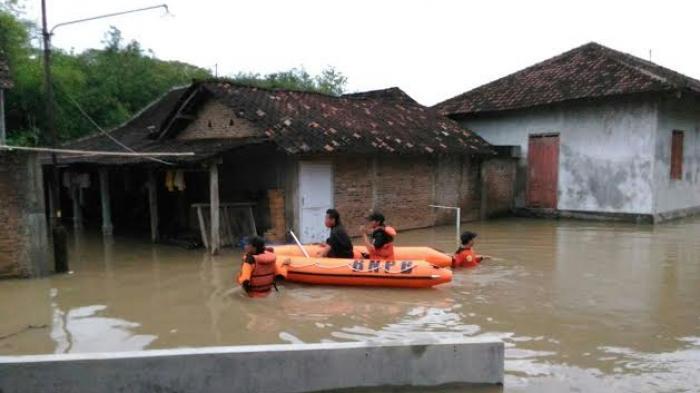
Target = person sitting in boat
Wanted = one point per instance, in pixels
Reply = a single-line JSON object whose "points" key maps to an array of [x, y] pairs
{"points": [[465, 256], [381, 247], [338, 244], [258, 271]]}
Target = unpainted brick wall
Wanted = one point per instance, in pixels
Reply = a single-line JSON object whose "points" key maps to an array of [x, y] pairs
{"points": [[216, 120], [23, 235], [499, 181], [403, 187]]}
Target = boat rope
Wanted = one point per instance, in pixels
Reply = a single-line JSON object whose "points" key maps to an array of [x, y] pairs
{"points": [[351, 267]]}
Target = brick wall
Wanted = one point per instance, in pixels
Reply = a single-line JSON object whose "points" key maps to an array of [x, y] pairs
{"points": [[403, 187], [499, 180], [24, 249], [216, 120]]}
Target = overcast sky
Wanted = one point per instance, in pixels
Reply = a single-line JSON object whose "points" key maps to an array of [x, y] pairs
{"points": [[432, 49]]}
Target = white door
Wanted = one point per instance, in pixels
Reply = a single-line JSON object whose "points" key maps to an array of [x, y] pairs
{"points": [[315, 197]]}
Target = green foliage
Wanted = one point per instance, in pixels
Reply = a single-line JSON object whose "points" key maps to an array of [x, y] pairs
{"points": [[110, 84], [330, 81]]}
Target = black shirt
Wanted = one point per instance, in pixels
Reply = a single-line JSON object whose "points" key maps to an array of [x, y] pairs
{"points": [[380, 238], [341, 245]]}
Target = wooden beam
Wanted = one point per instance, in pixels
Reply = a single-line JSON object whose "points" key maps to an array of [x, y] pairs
{"points": [[107, 228], [153, 204], [77, 210], [214, 208]]}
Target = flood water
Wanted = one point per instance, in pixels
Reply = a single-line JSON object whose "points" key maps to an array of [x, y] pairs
{"points": [[581, 306]]}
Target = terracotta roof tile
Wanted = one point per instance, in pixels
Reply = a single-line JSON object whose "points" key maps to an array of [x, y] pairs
{"points": [[591, 70], [386, 121]]}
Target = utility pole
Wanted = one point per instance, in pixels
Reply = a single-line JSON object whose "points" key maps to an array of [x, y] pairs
{"points": [[57, 229]]}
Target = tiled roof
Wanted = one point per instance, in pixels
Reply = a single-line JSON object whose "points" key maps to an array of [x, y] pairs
{"points": [[385, 121], [138, 132], [5, 81], [589, 71]]}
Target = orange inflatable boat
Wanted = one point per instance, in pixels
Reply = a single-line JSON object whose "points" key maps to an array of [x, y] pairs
{"points": [[359, 272], [426, 254]]}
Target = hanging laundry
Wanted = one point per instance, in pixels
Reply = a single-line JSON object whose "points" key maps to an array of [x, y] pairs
{"points": [[169, 180], [179, 180]]}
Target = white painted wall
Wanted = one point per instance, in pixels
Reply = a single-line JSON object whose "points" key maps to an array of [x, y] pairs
{"points": [[606, 156], [681, 114]]}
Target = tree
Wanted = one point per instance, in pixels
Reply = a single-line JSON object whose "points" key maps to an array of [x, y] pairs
{"points": [[109, 84], [330, 81]]}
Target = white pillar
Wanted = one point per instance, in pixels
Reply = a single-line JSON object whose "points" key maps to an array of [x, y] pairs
{"points": [[107, 227]]}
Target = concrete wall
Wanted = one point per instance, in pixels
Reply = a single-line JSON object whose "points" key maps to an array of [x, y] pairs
{"points": [[682, 196], [265, 368], [24, 246], [606, 151], [402, 188]]}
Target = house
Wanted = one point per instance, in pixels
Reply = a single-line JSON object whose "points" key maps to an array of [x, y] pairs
{"points": [[24, 245], [602, 134], [289, 155]]}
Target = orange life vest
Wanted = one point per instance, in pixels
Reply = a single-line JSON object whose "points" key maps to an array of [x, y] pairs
{"points": [[466, 257], [385, 252], [262, 275]]}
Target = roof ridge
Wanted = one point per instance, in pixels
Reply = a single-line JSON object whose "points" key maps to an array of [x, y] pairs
{"points": [[522, 70], [620, 57], [588, 70]]}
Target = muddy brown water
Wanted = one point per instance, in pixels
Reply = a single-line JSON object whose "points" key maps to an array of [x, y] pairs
{"points": [[581, 306]]}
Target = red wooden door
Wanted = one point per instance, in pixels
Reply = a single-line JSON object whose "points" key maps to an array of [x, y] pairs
{"points": [[543, 171]]}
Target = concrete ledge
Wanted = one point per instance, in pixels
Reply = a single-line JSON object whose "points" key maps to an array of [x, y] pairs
{"points": [[583, 215], [259, 368], [676, 214]]}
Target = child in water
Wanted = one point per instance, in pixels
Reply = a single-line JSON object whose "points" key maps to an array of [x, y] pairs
{"points": [[465, 255]]}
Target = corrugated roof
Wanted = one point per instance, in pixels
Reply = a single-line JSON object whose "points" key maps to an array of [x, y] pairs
{"points": [[385, 121], [591, 70]]}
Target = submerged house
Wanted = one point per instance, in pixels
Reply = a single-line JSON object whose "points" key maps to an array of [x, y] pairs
{"points": [[287, 156], [602, 134]]}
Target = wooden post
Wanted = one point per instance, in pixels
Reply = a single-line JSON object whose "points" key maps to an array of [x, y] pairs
{"points": [[107, 228], [214, 207], [153, 204], [77, 210], [202, 227]]}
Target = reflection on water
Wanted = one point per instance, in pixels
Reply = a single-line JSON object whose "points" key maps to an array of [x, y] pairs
{"points": [[581, 306]]}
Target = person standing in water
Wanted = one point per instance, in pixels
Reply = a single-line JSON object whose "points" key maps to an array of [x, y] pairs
{"points": [[381, 247], [338, 244], [257, 276], [465, 256]]}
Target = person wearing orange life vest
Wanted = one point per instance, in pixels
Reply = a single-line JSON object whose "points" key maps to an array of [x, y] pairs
{"points": [[381, 247], [465, 256], [258, 271]]}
